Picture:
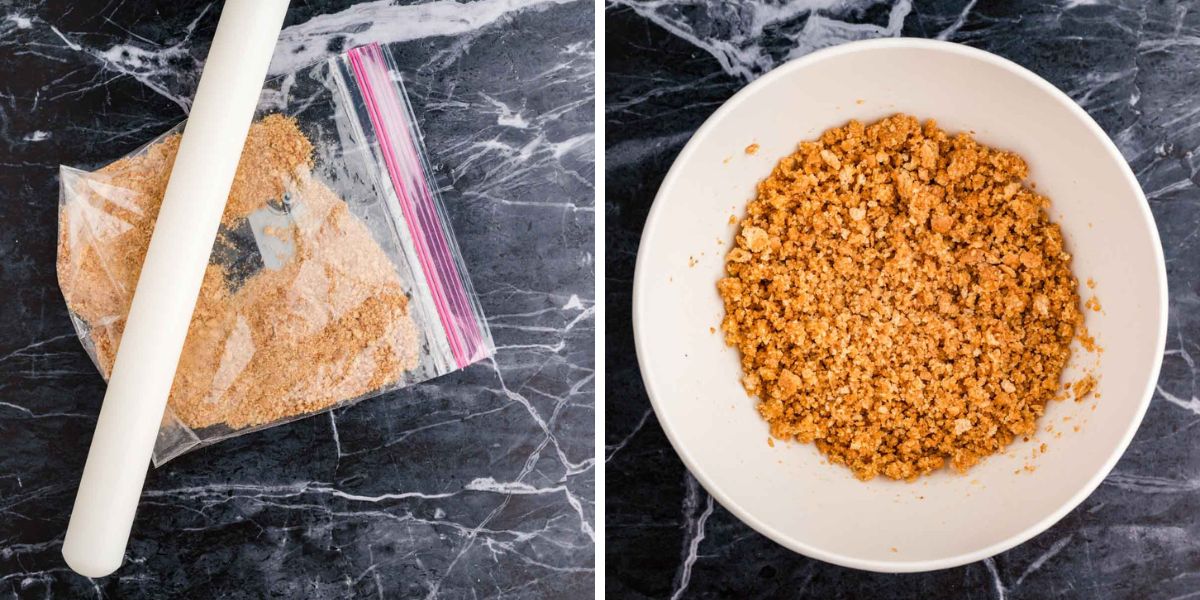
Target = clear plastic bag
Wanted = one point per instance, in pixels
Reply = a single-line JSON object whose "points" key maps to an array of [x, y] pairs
{"points": [[335, 276]]}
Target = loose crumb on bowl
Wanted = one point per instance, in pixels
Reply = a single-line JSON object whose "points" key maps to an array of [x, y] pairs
{"points": [[1088, 341], [900, 298], [1083, 387]]}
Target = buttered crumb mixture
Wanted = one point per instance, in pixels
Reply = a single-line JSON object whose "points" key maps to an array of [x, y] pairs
{"points": [[900, 298]]}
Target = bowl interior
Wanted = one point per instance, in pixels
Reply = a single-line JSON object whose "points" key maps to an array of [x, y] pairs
{"points": [[787, 491]]}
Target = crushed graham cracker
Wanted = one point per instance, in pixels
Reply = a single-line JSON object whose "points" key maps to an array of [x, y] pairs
{"points": [[1083, 387], [330, 324], [900, 298], [1087, 340]]}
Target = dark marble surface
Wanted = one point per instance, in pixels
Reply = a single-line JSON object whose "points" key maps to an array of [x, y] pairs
{"points": [[479, 484], [1132, 65]]}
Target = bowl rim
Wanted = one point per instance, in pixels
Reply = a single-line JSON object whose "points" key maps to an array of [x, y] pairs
{"points": [[900, 566]]}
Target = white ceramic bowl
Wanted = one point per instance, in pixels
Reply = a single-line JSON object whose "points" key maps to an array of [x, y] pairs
{"points": [[786, 491]]}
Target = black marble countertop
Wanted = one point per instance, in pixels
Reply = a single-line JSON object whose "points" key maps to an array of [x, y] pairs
{"points": [[479, 484], [1135, 66]]}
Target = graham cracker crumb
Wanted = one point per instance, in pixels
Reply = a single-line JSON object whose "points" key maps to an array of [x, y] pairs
{"points": [[1087, 340], [282, 235], [752, 149], [1083, 387], [900, 298], [330, 324]]}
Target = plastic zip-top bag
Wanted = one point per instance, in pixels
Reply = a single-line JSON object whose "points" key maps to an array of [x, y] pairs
{"points": [[335, 276]]}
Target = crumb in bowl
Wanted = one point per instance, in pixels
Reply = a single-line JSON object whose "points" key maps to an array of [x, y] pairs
{"points": [[900, 298]]}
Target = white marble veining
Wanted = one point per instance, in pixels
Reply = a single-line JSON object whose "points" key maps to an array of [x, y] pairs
{"points": [[1131, 65], [478, 484]]}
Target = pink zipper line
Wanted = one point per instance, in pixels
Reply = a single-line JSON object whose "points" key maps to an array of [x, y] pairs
{"points": [[427, 210], [392, 110], [401, 117], [406, 205], [395, 109]]}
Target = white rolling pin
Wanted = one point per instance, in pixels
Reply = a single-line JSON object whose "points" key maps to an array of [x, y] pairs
{"points": [[170, 284]]}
